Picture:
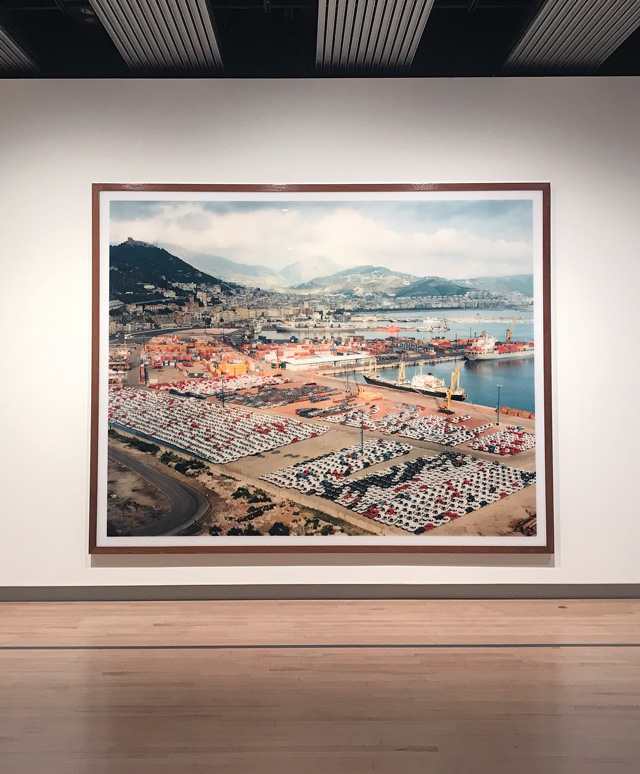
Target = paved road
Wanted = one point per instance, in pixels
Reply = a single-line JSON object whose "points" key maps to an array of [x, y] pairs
{"points": [[187, 504]]}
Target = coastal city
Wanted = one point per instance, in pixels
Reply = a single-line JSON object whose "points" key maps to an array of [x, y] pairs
{"points": [[365, 402]]}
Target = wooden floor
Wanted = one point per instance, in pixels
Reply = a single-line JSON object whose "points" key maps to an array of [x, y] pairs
{"points": [[331, 687]]}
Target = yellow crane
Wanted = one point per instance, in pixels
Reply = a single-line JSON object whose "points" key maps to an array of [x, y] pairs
{"points": [[401, 374], [445, 407], [512, 326]]}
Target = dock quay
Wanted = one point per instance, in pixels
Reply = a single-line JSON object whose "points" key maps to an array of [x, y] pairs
{"points": [[352, 369]]}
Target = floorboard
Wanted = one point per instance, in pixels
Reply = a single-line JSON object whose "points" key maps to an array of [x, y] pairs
{"points": [[443, 687]]}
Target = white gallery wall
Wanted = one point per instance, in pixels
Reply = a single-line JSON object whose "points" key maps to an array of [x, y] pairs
{"points": [[58, 137]]}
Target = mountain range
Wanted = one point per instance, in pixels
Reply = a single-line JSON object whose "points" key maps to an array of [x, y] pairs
{"points": [[134, 264], [359, 281], [513, 283], [432, 286], [257, 275]]}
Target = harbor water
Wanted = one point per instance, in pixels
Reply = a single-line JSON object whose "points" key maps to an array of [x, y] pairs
{"points": [[479, 379]]}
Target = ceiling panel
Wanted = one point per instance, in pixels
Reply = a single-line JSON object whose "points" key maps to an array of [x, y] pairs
{"points": [[574, 35], [369, 35], [318, 38], [162, 35], [13, 57]]}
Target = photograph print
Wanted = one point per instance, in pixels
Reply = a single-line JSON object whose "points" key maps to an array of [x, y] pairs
{"points": [[321, 368]]}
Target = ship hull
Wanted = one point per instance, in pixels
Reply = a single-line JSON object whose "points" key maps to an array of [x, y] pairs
{"points": [[499, 355], [408, 388]]}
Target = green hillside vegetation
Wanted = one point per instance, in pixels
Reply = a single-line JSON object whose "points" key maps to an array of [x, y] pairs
{"points": [[513, 283], [432, 286], [373, 279], [134, 264]]}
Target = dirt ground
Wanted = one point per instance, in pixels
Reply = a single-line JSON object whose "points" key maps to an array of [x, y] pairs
{"points": [[498, 519], [251, 508], [248, 508], [132, 502]]}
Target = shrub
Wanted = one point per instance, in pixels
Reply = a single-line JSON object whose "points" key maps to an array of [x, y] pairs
{"points": [[259, 496], [187, 466], [167, 458], [278, 528]]}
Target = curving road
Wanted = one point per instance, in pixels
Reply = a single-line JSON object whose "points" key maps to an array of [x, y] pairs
{"points": [[187, 504]]}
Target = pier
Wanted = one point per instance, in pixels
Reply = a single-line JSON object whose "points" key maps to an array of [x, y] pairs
{"points": [[365, 367]]}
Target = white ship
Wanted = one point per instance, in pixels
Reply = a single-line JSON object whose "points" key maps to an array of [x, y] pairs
{"points": [[425, 384], [428, 384], [486, 347]]}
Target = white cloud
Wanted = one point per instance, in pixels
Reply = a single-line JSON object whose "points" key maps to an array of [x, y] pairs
{"points": [[276, 238]]}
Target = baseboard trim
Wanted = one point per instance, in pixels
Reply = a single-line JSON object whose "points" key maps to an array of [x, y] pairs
{"points": [[318, 591]]}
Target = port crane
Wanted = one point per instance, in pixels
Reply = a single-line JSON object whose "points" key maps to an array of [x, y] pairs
{"points": [[445, 407], [401, 374], [512, 326], [350, 394]]}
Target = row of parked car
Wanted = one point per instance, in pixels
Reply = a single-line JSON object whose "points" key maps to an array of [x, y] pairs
{"points": [[205, 430], [217, 384], [511, 440], [441, 430], [312, 476], [408, 422], [272, 397], [424, 493]]}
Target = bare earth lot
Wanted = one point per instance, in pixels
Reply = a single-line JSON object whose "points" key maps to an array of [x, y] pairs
{"points": [[252, 510], [132, 501]]}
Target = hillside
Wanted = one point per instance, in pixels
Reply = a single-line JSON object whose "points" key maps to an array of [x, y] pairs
{"points": [[359, 280], [432, 286], [134, 264], [513, 283], [307, 269], [255, 274]]}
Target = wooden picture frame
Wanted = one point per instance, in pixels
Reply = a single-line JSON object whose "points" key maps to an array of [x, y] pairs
{"points": [[240, 198]]}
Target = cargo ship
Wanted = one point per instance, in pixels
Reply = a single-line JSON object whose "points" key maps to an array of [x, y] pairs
{"points": [[423, 384], [486, 347]]}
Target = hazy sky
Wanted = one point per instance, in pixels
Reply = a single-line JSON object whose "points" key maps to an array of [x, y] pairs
{"points": [[453, 239]]}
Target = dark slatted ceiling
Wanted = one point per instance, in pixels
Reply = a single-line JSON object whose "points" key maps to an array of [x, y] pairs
{"points": [[161, 35], [369, 34], [574, 34], [13, 57], [317, 38]]}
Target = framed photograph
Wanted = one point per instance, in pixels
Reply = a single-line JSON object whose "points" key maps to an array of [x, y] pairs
{"points": [[321, 368]]}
